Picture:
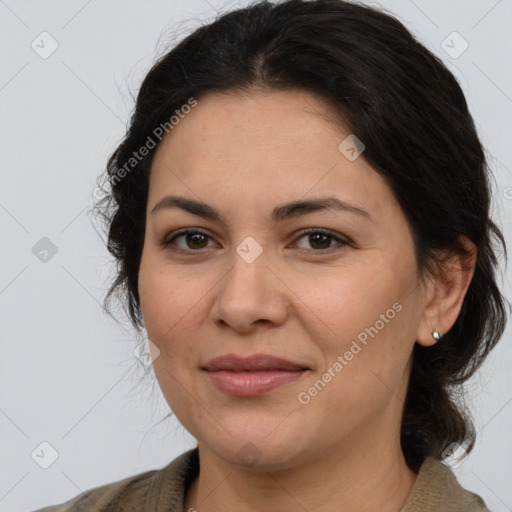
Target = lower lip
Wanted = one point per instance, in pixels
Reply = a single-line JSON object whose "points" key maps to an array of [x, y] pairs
{"points": [[252, 383]]}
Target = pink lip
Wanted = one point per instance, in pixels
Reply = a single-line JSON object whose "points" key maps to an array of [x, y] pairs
{"points": [[257, 362], [253, 375], [252, 383]]}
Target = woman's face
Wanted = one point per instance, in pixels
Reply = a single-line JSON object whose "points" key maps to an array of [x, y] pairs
{"points": [[343, 304]]}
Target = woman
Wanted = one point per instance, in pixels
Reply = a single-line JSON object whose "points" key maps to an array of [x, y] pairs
{"points": [[300, 212]]}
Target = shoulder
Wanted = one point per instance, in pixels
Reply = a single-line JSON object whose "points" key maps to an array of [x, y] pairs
{"points": [[129, 491], [138, 493], [437, 489]]}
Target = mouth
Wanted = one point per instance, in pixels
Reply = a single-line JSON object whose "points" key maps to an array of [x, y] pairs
{"points": [[252, 376]]}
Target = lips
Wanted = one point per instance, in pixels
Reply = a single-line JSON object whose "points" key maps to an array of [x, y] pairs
{"points": [[258, 362], [252, 376]]}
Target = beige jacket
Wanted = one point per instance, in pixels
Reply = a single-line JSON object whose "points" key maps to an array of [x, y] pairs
{"points": [[435, 490]]}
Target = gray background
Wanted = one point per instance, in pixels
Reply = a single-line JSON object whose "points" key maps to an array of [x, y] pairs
{"points": [[68, 373]]}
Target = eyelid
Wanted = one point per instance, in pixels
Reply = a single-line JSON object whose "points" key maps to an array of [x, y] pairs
{"points": [[341, 241], [333, 234], [175, 234]]}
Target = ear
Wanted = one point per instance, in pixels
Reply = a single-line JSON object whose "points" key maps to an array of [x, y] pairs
{"points": [[445, 293]]}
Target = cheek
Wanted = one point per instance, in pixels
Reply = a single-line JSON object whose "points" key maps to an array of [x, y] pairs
{"points": [[157, 299], [366, 349], [345, 302], [172, 307], [366, 317]]}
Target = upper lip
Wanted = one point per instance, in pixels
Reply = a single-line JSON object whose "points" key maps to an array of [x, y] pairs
{"points": [[261, 362]]}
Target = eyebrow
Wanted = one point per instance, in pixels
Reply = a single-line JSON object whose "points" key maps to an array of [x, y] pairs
{"points": [[279, 214]]}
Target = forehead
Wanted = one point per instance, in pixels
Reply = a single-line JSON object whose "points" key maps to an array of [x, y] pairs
{"points": [[260, 147], [222, 123]]}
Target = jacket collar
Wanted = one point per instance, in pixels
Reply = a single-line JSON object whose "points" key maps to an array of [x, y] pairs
{"points": [[436, 488]]}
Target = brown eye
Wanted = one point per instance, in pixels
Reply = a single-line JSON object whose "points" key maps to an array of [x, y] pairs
{"points": [[320, 240], [194, 240]]}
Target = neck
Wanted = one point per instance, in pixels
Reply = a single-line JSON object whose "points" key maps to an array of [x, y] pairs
{"points": [[347, 479]]}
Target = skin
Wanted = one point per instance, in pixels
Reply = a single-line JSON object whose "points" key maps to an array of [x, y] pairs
{"points": [[304, 299]]}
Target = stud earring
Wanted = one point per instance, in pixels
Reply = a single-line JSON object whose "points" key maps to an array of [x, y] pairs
{"points": [[436, 335]]}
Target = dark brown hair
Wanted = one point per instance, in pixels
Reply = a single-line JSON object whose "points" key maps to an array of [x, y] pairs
{"points": [[410, 112]]}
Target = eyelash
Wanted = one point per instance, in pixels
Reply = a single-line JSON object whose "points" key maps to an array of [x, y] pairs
{"points": [[308, 231]]}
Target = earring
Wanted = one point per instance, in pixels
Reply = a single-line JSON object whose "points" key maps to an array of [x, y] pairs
{"points": [[436, 335]]}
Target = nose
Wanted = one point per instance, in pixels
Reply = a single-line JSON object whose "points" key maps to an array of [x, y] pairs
{"points": [[249, 295]]}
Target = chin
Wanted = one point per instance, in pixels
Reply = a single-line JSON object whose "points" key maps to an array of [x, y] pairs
{"points": [[261, 444], [258, 457]]}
